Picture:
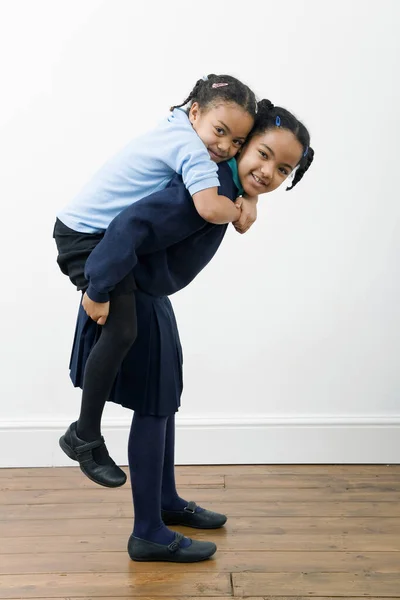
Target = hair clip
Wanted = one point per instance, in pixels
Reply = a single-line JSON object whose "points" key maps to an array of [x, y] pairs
{"points": [[218, 85], [278, 121], [205, 78], [305, 151]]}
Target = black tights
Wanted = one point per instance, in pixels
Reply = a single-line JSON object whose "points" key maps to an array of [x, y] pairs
{"points": [[117, 336]]}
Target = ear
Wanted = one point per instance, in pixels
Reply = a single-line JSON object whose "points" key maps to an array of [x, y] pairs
{"points": [[194, 112]]}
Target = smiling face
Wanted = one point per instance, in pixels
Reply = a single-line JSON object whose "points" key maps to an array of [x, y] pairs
{"points": [[267, 160], [223, 128]]}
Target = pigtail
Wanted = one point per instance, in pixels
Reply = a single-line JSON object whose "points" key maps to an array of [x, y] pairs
{"points": [[305, 164], [264, 106], [192, 94]]}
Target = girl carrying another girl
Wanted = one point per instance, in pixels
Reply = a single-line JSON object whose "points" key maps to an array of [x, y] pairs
{"points": [[221, 114], [165, 243]]}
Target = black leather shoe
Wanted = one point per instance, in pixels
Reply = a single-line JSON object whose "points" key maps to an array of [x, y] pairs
{"points": [[143, 550], [108, 475], [205, 519]]}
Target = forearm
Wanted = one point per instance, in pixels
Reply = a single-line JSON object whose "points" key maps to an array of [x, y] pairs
{"points": [[214, 208]]}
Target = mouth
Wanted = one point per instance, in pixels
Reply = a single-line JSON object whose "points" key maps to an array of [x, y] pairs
{"points": [[259, 182], [215, 156]]}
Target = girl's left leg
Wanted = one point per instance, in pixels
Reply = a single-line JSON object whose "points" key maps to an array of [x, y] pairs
{"points": [[170, 499], [176, 510]]}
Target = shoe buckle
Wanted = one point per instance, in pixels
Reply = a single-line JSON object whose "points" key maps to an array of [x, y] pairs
{"points": [[190, 508], [174, 546]]}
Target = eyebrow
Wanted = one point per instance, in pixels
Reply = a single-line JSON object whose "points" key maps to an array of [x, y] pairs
{"points": [[273, 154], [239, 137]]}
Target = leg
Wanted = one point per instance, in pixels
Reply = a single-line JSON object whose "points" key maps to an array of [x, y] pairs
{"points": [[176, 510], [117, 336], [146, 460], [170, 499], [82, 440], [151, 539]]}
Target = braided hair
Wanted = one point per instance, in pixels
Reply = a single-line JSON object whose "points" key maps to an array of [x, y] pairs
{"points": [[271, 117], [224, 88]]}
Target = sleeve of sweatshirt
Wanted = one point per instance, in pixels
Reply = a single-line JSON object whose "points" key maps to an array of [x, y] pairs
{"points": [[153, 223], [185, 153]]}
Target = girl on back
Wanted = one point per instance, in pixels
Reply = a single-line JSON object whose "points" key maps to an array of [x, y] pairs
{"points": [[221, 114], [164, 241]]}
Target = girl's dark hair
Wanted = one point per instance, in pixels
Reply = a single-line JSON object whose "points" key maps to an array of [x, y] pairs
{"points": [[271, 117], [224, 88]]}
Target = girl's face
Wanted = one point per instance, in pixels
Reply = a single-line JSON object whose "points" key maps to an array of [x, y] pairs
{"points": [[222, 128], [267, 160]]}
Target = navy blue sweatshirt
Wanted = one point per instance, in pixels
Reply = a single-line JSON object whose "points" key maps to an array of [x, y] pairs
{"points": [[161, 238]]}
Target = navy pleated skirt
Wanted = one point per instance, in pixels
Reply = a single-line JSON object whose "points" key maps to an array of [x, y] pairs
{"points": [[150, 378]]}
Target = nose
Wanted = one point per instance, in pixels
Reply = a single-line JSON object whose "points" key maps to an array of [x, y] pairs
{"points": [[266, 171], [223, 146]]}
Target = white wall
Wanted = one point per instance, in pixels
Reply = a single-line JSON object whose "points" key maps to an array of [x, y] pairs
{"points": [[291, 335]]}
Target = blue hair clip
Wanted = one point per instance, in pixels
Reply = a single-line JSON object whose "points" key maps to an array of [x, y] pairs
{"points": [[278, 121], [305, 151]]}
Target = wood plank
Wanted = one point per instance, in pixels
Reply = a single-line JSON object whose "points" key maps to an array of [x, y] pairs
{"points": [[115, 584], [322, 525], [113, 510], [113, 597], [64, 544], [200, 495], [232, 509], [74, 482], [254, 525], [219, 597], [351, 470], [378, 482], [6, 472], [265, 562], [385, 482], [276, 469], [339, 584], [246, 542]]}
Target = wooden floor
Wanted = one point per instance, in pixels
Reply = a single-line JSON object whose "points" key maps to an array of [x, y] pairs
{"points": [[293, 532]]}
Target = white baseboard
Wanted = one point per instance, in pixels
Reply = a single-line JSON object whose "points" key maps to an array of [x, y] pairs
{"points": [[227, 440]]}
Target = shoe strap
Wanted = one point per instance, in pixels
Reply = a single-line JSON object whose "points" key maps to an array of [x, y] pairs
{"points": [[175, 545], [89, 446], [191, 507]]}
